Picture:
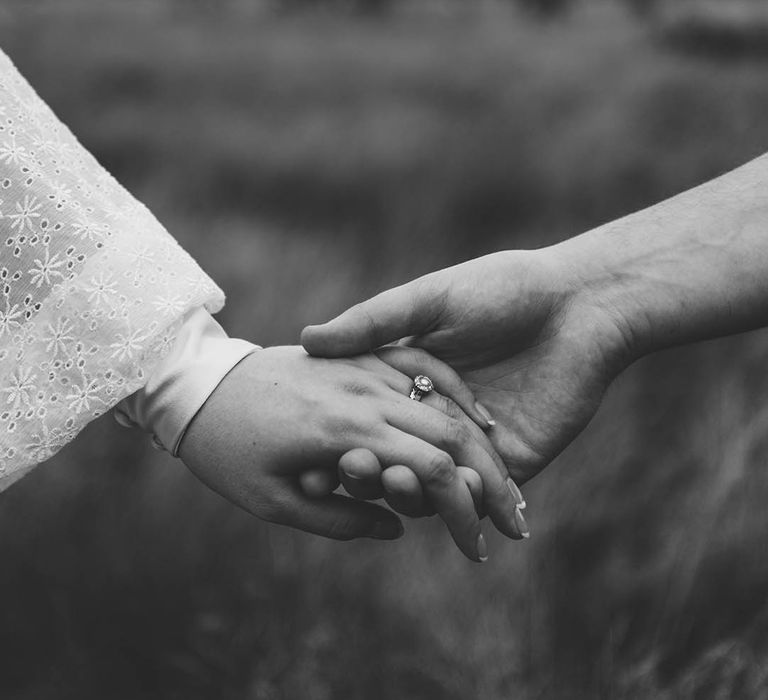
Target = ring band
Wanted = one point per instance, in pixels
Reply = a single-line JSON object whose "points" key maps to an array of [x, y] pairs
{"points": [[421, 385]]}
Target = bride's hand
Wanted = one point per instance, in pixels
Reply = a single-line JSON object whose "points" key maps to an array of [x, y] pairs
{"points": [[280, 413]]}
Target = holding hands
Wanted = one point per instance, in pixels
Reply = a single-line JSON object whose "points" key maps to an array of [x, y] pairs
{"points": [[278, 457], [521, 346], [532, 345], [514, 335], [532, 349], [531, 338]]}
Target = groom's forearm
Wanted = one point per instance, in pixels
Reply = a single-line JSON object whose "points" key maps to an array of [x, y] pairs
{"points": [[692, 267]]}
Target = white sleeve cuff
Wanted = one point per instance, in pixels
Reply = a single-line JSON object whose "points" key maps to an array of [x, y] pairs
{"points": [[201, 357]]}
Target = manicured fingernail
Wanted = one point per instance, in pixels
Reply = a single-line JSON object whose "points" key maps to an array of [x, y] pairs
{"points": [[517, 494], [483, 411], [386, 530], [482, 548], [521, 524]]}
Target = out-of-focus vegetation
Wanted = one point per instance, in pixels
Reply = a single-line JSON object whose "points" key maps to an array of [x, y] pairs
{"points": [[309, 157]]}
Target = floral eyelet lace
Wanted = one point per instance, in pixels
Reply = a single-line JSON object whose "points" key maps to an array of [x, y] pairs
{"points": [[92, 288]]}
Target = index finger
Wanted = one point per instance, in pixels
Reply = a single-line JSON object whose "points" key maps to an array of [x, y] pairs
{"points": [[384, 318]]}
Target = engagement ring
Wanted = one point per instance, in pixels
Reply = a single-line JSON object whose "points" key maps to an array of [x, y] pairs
{"points": [[421, 385]]}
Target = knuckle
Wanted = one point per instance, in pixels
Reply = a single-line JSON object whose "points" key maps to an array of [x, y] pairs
{"points": [[452, 409], [455, 433], [429, 298], [337, 425], [372, 325], [440, 470], [356, 388], [464, 433]]}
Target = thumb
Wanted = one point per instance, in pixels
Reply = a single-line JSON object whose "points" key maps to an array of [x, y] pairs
{"points": [[340, 518], [389, 316]]}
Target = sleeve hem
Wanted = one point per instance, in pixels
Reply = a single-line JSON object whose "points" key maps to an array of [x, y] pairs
{"points": [[201, 357]]}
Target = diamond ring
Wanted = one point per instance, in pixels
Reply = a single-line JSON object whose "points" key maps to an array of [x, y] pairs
{"points": [[421, 385]]}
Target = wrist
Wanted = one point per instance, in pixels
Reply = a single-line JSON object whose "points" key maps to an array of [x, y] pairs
{"points": [[600, 309], [200, 357], [690, 268]]}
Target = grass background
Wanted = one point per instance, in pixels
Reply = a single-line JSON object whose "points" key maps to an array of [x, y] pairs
{"points": [[309, 157]]}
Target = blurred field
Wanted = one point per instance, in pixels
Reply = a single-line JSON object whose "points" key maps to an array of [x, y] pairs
{"points": [[309, 158]]}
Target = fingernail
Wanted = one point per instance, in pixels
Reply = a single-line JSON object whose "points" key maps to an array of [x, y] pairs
{"points": [[521, 524], [517, 494], [483, 411], [386, 530], [482, 548]]}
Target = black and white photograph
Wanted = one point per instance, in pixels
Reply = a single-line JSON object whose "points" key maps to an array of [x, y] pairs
{"points": [[383, 350]]}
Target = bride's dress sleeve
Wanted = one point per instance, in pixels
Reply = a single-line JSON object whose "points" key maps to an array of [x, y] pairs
{"points": [[93, 290]]}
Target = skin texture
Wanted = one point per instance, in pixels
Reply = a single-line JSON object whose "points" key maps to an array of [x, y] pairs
{"points": [[539, 335], [310, 412]]}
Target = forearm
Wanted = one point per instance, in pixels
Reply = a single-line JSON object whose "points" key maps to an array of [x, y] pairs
{"points": [[94, 288], [692, 267]]}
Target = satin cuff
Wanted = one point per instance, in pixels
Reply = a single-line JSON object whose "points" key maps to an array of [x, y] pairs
{"points": [[202, 355]]}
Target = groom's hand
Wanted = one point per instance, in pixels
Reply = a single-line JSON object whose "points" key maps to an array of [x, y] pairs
{"points": [[535, 345]]}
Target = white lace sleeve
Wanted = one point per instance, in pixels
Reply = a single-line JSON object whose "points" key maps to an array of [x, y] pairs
{"points": [[93, 289]]}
